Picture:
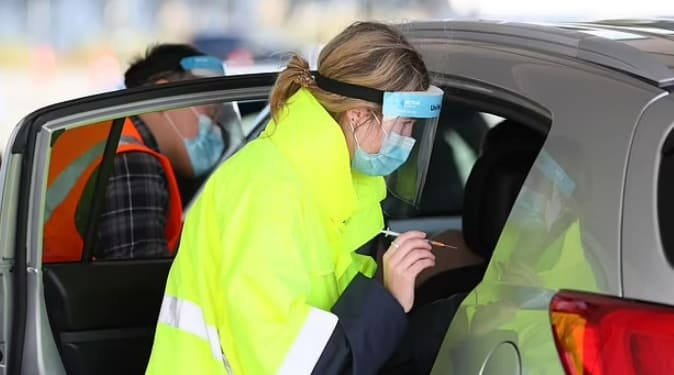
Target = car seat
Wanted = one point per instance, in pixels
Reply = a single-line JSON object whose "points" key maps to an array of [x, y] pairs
{"points": [[508, 153], [443, 191]]}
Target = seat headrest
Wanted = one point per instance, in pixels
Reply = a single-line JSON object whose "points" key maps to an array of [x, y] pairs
{"points": [[508, 153]]}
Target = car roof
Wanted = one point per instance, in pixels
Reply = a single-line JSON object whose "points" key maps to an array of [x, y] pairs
{"points": [[641, 48]]}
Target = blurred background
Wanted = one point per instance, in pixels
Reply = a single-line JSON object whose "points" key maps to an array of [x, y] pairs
{"points": [[54, 50]]}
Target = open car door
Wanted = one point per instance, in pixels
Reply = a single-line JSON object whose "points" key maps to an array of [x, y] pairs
{"points": [[90, 316]]}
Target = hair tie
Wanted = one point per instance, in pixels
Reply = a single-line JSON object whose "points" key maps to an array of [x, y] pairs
{"points": [[305, 78]]}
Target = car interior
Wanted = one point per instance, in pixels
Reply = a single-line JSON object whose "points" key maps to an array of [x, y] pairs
{"points": [[103, 313], [471, 214], [508, 152]]}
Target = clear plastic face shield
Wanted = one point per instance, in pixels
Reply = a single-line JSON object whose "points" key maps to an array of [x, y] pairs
{"points": [[412, 115], [225, 115], [409, 121]]}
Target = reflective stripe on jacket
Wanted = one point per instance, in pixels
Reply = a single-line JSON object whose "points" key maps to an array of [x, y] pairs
{"points": [[76, 155], [268, 251]]}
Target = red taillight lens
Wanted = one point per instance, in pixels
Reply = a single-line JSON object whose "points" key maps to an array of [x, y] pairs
{"points": [[603, 335]]}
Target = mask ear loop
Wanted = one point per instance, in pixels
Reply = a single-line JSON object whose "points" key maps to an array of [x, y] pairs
{"points": [[214, 122], [353, 128], [353, 131], [166, 116], [381, 125], [376, 118]]}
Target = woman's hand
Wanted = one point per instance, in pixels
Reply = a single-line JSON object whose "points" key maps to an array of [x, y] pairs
{"points": [[407, 256]]}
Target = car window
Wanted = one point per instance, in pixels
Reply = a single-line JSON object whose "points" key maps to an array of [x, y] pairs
{"points": [[131, 207], [456, 147], [665, 197], [250, 112]]}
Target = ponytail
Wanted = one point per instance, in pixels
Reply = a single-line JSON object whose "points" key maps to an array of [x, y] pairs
{"points": [[295, 76], [367, 54]]}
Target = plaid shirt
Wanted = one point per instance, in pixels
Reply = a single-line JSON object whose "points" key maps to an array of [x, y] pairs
{"points": [[133, 221]]}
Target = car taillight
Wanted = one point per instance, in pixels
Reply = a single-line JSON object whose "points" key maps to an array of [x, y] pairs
{"points": [[600, 335]]}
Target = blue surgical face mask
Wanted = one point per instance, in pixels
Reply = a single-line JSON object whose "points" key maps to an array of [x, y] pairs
{"points": [[537, 211], [529, 210], [394, 152], [205, 149]]}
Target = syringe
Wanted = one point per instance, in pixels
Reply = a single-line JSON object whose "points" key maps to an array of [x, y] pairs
{"points": [[387, 232]]}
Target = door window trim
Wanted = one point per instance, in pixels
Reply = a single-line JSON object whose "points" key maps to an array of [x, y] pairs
{"points": [[33, 140]]}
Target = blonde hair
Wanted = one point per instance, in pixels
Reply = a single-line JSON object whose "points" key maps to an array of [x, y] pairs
{"points": [[367, 54]]}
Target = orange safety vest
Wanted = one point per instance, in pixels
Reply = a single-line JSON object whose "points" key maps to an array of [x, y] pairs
{"points": [[76, 155]]}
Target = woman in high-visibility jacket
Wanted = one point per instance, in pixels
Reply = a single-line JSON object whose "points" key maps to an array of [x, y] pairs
{"points": [[267, 278]]}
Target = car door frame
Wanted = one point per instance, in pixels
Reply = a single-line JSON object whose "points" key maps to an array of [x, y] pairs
{"points": [[27, 161], [645, 266], [10, 174]]}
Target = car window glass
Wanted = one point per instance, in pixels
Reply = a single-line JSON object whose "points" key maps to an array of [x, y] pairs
{"points": [[250, 112], [456, 147], [482, 155], [666, 198], [151, 177]]}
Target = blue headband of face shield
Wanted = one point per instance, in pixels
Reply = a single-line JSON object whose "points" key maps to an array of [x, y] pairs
{"points": [[413, 104], [410, 104], [203, 66]]}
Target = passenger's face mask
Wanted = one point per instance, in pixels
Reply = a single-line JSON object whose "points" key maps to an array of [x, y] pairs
{"points": [[529, 210], [394, 151], [205, 149], [535, 211]]}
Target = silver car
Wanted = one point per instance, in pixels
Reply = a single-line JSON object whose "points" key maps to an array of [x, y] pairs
{"points": [[552, 171]]}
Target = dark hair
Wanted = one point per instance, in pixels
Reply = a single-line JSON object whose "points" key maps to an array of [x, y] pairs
{"points": [[161, 61]]}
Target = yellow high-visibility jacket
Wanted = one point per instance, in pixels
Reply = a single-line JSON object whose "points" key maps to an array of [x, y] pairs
{"points": [[266, 253]]}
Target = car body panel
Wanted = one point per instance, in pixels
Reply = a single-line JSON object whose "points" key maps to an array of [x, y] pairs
{"points": [[627, 49], [594, 114], [646, 270], [579, 101], [40, 354], [9, 172]]}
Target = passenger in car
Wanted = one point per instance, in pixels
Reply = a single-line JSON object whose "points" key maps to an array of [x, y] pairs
{"points": [[507, 154], [142, 209], [267, 279]]}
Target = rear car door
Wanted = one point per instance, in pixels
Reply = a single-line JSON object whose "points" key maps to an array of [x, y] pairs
{"points": [[92, 315], [503, 326], [647, 236]]}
